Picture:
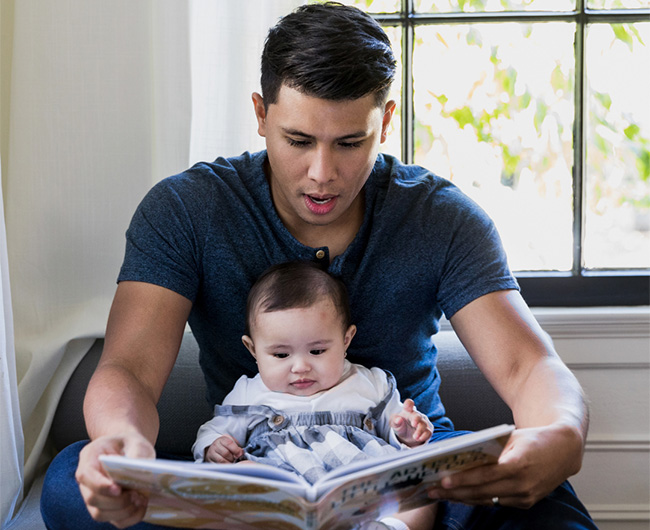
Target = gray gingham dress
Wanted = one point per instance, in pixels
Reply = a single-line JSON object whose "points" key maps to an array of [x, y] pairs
{"points": [[312, 443]]}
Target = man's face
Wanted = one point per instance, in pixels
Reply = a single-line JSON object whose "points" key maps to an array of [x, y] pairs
{"points": [[321, 153]]}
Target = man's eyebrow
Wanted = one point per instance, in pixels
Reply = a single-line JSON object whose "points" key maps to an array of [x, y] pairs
{"points": [[296, 132]]}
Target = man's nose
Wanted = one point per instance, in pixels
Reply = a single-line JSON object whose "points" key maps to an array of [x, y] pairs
{"points": [[322, 168]]}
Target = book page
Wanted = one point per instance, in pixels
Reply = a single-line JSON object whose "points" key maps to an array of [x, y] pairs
{"points": [[190, 468], [189, 495], [402, 485], [412, 454], [255, 470]]}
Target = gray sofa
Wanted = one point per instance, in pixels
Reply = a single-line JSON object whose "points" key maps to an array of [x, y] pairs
{"points": [[471, 403]]}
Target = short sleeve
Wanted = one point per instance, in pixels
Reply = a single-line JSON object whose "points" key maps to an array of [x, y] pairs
{"points": [[476, 263], [161, 243]]}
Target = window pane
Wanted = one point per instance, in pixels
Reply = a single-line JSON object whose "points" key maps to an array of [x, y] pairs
{"points": [[472, 6], [374, 6], [617, 216], [618, 4], [494, 113]]}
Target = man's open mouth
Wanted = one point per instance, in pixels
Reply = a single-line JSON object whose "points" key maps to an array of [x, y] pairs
{"points": [[320, 204]]}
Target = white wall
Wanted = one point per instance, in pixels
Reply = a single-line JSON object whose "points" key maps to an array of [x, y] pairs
{"points": [[608, 349]]}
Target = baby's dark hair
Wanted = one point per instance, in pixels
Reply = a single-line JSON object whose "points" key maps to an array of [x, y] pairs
{"points": [[296, 284], [329, 51]]}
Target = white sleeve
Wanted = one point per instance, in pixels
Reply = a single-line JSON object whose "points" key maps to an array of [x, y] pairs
{"points": [[235, 426], [393, 406]]}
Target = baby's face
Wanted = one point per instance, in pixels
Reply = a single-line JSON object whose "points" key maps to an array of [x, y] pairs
{"points": [[300, 351]]}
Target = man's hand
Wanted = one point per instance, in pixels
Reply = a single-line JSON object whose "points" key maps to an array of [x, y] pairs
{"points": [[411, 427], [533, 464], [224, 450], [107, 501]]}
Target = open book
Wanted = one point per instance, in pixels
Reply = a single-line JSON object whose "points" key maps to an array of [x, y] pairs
{"points": [[256, 496]]}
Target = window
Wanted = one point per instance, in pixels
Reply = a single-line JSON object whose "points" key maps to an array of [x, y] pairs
{"points": [[540, 111]]}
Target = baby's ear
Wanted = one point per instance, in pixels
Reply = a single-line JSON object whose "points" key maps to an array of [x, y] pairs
{"points": [[250, 346], [349, 334]]}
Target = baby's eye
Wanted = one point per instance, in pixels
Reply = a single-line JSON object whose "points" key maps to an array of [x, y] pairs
{"points": [[280, 355], [316, 352]]}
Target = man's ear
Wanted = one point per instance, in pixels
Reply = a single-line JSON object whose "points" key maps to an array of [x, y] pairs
{"points": [[389, 110], [250, 346], [260, 113]]}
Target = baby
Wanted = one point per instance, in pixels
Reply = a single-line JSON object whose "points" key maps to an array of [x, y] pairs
{"points": [[309, 410]]}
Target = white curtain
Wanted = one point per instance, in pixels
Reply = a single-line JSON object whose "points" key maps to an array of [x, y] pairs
{"points": [[101, 99], [11, 434]]}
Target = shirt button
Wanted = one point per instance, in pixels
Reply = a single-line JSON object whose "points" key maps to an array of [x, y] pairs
{"points": [[277, 419], [320, 254]]}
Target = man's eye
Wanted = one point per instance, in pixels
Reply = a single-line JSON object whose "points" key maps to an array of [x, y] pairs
{"points": [[316, 352], [351, 145], [297, 143]]}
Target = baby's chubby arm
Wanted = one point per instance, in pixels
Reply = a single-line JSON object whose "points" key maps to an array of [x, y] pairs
{"points": [[224, 450], [411, 427]]}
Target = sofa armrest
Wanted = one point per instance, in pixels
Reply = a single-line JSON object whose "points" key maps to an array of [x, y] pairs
{"points": [[182, 406]]}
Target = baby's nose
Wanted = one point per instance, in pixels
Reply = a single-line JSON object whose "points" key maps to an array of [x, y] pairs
{"points": [[300, 366]]}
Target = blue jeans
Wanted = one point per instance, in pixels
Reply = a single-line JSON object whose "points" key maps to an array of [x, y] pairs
{"points": [[561, 510], [63, 508]]}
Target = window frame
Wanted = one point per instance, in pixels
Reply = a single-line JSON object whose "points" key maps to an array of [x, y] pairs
{"points": [[579, 287]]}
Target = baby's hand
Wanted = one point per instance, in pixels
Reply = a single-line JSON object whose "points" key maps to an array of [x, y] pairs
{"points": [[411, 427], [224, 450]]}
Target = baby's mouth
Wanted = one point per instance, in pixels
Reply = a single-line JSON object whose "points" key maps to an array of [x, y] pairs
{"points": [[303, 383]]}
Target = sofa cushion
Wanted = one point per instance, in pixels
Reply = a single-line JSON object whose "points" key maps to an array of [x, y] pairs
{"points": [[470, 401]]}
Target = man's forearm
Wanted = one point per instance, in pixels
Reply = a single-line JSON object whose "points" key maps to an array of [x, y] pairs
{"points": [[552, 397], [519, 359], [550, 393], [117, 403], [143, 335]]}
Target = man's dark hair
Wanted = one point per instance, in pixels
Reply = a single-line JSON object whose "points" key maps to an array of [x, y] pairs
{"points": [[296, 284], [329, 51]]}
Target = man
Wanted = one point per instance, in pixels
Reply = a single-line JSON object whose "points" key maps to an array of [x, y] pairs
{"points": [[408, 245]]}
